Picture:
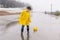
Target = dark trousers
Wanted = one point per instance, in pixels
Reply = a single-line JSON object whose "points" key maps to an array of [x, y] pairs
{"points": [[22, 28]]}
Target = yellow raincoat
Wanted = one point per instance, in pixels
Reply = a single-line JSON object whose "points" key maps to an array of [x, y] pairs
{"points": [[24, 18]]}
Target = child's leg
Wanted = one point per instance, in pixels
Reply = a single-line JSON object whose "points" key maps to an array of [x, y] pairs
{"points": [[28, 28], [22, 28]]}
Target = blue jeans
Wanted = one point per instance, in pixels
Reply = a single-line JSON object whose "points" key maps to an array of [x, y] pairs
{"points": [[22, 29]]}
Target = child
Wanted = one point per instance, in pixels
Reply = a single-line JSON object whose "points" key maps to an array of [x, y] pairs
{"points": [[25, 19]]}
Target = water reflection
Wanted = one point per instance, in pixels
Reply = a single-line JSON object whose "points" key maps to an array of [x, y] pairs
{"points": [[27, 36], [22, 36]]}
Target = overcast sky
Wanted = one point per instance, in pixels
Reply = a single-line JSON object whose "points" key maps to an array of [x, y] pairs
{"points": [[42, 5]]}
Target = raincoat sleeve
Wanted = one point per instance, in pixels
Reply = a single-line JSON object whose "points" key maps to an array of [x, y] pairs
{"points": [[29, 18], [22, 13], [20, 17]]}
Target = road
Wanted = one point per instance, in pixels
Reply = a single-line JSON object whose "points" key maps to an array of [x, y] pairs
{"points": [[48, 27]]}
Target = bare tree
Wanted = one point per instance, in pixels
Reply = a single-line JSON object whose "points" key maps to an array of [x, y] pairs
{"points": [[12, 4]]}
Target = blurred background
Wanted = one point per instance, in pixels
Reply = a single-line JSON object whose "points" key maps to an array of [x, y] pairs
{"points": [[12, 4]]}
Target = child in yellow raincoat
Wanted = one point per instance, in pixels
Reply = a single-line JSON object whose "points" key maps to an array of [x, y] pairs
{"points": [[25, 19]]}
